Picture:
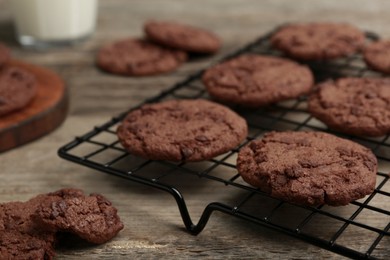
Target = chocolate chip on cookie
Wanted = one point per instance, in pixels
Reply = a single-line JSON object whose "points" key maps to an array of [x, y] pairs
{"points": [[308, 168]]}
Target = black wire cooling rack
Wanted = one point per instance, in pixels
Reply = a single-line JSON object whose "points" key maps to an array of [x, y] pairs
{"points": [[358, 230]]}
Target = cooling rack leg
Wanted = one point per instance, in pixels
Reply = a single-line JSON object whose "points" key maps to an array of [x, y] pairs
{"points": [[196, 229], [182, 207], [190, 226]]}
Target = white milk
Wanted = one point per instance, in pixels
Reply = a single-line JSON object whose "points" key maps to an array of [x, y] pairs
{"points": [[53, 20]]}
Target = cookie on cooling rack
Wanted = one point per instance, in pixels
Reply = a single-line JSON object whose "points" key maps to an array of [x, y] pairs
{"points": [[356, 106], [318, 41], [92, 217], [182, 37], [4, 54], [308, 168], [137, 57], [377, 56], [181, 130], [17, 89], [255, 80]]}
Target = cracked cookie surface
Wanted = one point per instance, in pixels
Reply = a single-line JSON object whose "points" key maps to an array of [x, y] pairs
{"points": [[357, 106], [28, 229], [181, 130], [137, 57], [308, 168], [92, 217], [318, 41], [256, 80], [20, 237]]}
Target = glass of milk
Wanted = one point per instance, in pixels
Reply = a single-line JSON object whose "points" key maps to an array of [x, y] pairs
{"points": [[48, 23]]}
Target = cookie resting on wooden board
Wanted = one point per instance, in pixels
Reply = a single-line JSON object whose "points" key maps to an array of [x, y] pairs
{"points": [[17, 89], [47, 109]]}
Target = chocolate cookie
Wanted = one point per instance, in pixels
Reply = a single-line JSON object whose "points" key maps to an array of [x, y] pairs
{"points": [[136, 57], [28, 229], [16, 245], [377, 56], [4, 54], [20, 238], [255, 80], [17, 89], [357, 106], [181, 130], [308, 168], [182, 37], [92, 218], [318, 41]]}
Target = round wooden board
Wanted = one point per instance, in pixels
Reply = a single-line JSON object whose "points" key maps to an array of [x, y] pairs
{"points": [[45, 113]]}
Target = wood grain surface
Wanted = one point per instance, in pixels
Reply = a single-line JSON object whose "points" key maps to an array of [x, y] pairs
{"points": [[153, 226], [46, 112]]}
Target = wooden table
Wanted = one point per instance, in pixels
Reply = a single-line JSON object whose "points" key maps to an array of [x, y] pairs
{"points": [[153, 227]]}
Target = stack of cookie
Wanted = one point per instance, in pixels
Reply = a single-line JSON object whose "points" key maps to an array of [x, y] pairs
{"points": [[28, 230], [17, 86], [164, 50], [306, 168]]}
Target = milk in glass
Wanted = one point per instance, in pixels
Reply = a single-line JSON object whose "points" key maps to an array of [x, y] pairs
{"points": [[53, 22]]}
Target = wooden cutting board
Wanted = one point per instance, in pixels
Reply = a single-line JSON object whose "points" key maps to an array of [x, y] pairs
{"points": [[45, 113]]}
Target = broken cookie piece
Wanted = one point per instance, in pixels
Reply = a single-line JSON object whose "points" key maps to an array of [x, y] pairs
{"points": [[92, 217], [28, 229]]}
